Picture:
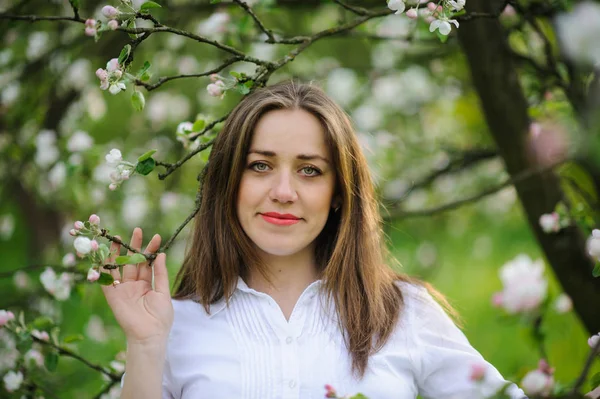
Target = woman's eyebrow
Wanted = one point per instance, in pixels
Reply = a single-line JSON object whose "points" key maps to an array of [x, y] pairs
{"points": [[304, 157]]}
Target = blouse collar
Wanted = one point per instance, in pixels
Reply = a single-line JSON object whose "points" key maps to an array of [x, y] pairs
{"points": [[241, 286]]}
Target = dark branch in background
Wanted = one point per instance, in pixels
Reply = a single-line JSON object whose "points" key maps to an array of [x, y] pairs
{"points": [[356, 10], [271, 38], [468, 159], [106, 389], [38, 18], [586, 369], [165, 79], [399, 214], [68, 353]]}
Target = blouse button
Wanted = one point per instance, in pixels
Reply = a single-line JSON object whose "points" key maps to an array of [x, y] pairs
{"points": [[292, 384], [289, 340]]}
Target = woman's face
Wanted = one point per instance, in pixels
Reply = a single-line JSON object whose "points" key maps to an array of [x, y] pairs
{"points": [[287, 186]]}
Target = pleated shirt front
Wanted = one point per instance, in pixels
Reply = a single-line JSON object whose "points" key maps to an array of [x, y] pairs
{"points": [[248, 350]]}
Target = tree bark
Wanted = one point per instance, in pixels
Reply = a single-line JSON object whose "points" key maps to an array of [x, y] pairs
{"points": [[505, 108]]}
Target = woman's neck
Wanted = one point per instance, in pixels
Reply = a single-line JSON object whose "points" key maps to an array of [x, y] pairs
{"points": [[289, 277]]}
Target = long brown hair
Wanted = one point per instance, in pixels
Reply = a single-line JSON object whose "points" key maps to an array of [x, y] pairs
{"points": [[350, 252]]}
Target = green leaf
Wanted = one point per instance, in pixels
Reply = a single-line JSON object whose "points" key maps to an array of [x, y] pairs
{"points": [[149, 5], [235, 74], [145, 167], [105, 279], [43, 323], [124, 54], [136, 258], [198, 125], [122, 260], [249, 84], [144, 69], [51, 361], [138, 101], [73, 338], [596, 271], [145, 77], [242, 88], [104, 251], [131, 25], [146, 155]]}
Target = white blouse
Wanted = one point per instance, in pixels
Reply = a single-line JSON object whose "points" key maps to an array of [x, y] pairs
{"points": [[248, 350]]}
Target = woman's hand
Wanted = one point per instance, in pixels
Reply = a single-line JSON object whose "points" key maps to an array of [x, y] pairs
{"points": [[144, 314]]}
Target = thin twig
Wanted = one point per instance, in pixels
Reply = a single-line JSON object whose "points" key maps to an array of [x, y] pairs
{"points": [[398, 214], [356, 10], [594, 352], [38, 18], [165, 79], [262, 27]]}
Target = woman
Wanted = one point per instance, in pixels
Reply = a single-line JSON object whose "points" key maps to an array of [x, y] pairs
{"points": [[285, 286]]}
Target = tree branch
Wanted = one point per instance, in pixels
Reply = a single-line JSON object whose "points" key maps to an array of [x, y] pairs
{"points": [[257, 21], [398, 214]]}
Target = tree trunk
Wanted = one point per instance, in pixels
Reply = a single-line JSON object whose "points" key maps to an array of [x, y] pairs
{"points": [[505, 109]]}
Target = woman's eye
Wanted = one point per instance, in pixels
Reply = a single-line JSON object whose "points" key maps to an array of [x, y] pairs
{"points": [[310, 171], [259, 167]]}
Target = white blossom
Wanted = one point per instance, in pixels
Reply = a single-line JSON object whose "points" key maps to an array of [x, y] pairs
{"points": [[13, 380], [578, 32], [396, 5], [457, 5], [563, 304], [443, 25], [114, 157], [216, 24], [524, 285], [593, 340], [550, 222], [8, 349], [537, 382], [593, 244], [80, 141], [83, 245]]}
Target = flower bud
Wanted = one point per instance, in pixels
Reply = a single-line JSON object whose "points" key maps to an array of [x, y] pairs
{"points": [[112, 186], [593, 244], [73, 232], [5, 317], [43, 335], [94, 219], [537, 383], [431, 6], [117, 74], [330, 391], [477, 372], [90, 23], [90, 31], [94, 245], [78, 225], [216, 89], [101, 74], [593, 340], [214, 77], [93, 275], [112, 24], [110, 12], [69, 260], [83, 245], [412, 13], [550, 222]]}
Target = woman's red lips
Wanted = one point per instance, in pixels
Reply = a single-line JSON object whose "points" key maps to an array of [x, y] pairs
{"points": [[288, 216], [280, 219]]}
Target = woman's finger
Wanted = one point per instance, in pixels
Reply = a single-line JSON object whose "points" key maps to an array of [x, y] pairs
{"points": [[115, 250], [161, 277], [130, 272], [145, 271]]}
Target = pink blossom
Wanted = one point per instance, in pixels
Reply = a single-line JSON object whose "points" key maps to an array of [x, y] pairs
{"points": [[429, 19], [118, 74], [550, 222], [90, 23], [5, 317], [73, 232], [539, 382], [412, 13], [110, 12], [90, 31], [94, 219], [593, 340], [477, 372], [43, 335], [78, 225], [509, 11], [112, 24], [330, 391], [93, 275], [94, 245], [104, 85], [112, 186], [69, 260], [216, 89], [101, 74], [214, 77], [431, 6], [112, 65]]}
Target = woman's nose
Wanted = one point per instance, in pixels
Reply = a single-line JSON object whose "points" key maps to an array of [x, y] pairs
{"points": [[283, 189]]}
